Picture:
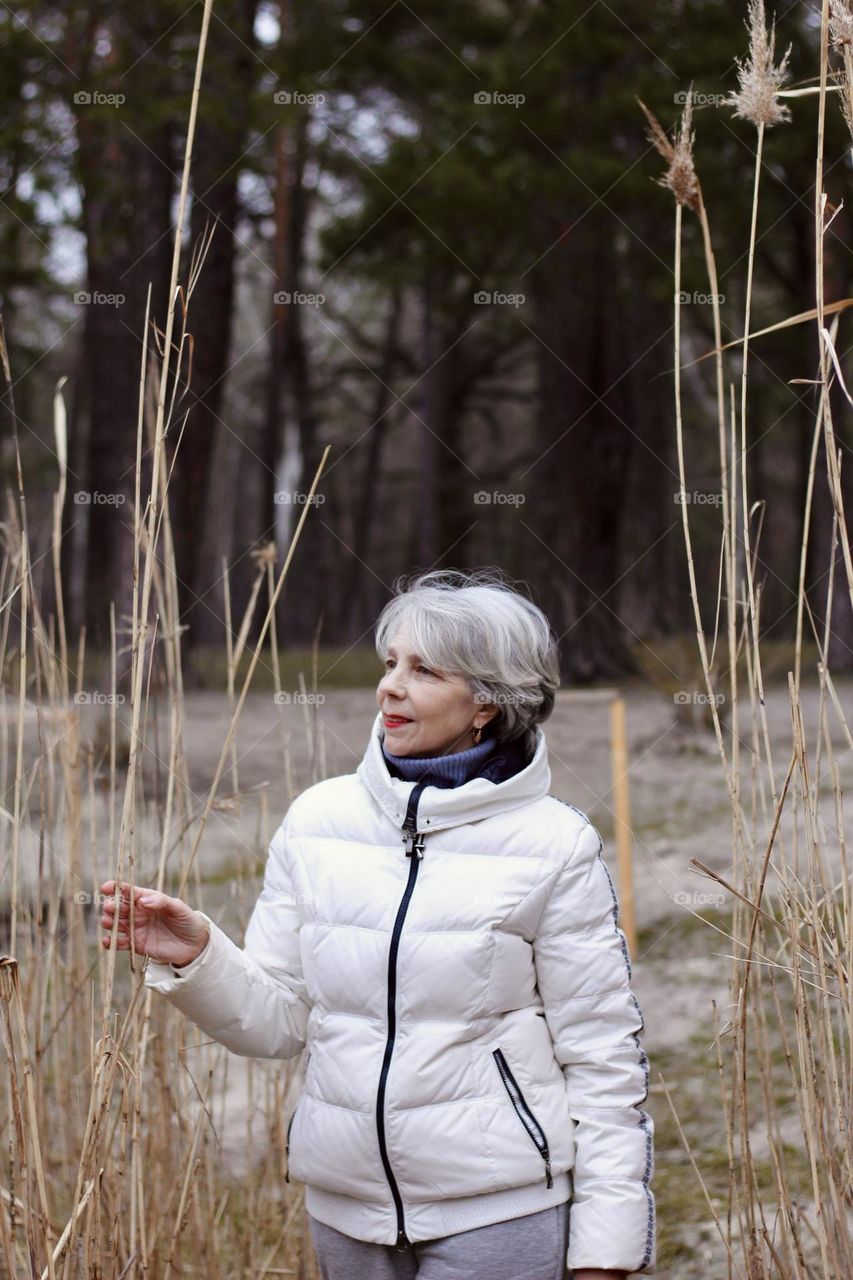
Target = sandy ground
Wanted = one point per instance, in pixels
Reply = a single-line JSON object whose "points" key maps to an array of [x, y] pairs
{"points": [[679, 810]]}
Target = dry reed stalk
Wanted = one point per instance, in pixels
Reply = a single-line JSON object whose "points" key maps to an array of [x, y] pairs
{"points": [[63, 1239], [156, 504], [229, 658], [755, 100], [178, 792], [681, 178], [139, 633], [146, 537], [22, 661], [679, 431], [60, 431], [252, 665], [837, 24], [264, 558], [801, 590], [104, 1066], [841, 34], [708, 1200], [26, 1134], [728, 495], [290, 787], [799, 929], [801, 317], [759, 79], [185, 1193]]}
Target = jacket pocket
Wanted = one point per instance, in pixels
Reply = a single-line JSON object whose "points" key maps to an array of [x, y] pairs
{"points": [[532, 1126], [287, 1142]]}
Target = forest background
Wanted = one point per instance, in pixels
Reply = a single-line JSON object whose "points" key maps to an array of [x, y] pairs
{"points": [[437, 245]]}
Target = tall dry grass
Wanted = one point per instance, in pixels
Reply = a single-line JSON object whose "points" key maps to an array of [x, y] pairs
{"points": [[117, 1116], [784, 1045], [113, 1111]]}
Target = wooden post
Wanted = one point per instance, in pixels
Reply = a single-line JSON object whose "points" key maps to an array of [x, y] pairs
{"points": [[622, 815]]}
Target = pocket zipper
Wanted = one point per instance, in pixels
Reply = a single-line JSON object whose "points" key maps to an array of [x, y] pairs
{"points": [[287, 1144], [528, 1119]]}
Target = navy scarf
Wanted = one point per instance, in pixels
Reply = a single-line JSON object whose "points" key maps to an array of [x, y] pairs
{"points": [[488, 759]]}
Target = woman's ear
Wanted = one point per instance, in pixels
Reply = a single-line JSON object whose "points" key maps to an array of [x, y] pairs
{"points": [[485, 714]]}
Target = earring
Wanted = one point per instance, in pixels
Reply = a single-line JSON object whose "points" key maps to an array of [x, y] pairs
{"points": [[478, 733]]}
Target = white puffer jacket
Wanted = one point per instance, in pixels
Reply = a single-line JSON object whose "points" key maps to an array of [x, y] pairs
{"points": [[451, 959]]}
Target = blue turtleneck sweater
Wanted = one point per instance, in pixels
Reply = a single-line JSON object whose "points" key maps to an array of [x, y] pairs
{"points": [[487, 759]]}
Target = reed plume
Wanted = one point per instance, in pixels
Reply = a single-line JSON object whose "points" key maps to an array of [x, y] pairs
{"points": [[759, 78]]}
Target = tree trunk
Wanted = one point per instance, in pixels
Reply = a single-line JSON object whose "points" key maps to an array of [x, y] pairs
{"points": [[220, 143], [430, 461], [364, 603], [579, 483], [127, 188], [313, 580]]}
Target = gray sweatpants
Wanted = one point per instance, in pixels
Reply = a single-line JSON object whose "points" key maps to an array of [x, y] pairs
{"points": [[532, 1247]]}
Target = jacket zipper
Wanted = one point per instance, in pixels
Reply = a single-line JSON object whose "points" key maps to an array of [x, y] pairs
{"points": [[290, 1126], [528, 1119], [414, 842], [287, 1145]]}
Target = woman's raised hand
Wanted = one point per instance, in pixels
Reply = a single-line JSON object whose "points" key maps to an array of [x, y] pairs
{"points": [[164, 928]]}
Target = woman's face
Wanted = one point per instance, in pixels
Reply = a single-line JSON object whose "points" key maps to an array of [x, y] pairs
{"points": [[425, 712]]}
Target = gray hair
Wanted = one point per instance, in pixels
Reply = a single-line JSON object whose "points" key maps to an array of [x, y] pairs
{"points": [[478, 625]]}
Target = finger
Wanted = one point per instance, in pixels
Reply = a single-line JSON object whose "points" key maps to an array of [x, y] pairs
{"points": [[109, 888], [124, 909], [108, 919], [110, 915], [153, 899], [122, 928]]}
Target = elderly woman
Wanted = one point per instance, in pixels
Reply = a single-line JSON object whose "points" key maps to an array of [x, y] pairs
{"points": [[441, 934]]}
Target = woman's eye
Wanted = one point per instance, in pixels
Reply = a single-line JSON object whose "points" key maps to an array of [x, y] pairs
{"points": [[426, 670]]}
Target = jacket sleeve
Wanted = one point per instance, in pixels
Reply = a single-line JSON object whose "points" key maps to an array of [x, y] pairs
{"points": [[253, 1001], [583, 974]]}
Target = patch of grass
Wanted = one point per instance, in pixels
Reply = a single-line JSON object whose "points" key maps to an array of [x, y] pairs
{"points": [[683, 1212], [656, 661], [678, 939], [690, 1072], [234, 871], [680, 816]]}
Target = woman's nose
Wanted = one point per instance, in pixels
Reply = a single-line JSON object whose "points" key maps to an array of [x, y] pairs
{"points": [[392, 684]]}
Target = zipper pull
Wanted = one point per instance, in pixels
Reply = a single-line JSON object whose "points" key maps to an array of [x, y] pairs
{"points": [[287, 1145], [412, 838], [402, 1241], [414, 842], [549, 1181]]}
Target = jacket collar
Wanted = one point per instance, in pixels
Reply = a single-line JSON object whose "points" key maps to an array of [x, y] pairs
{"points": [[438, 807]]}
